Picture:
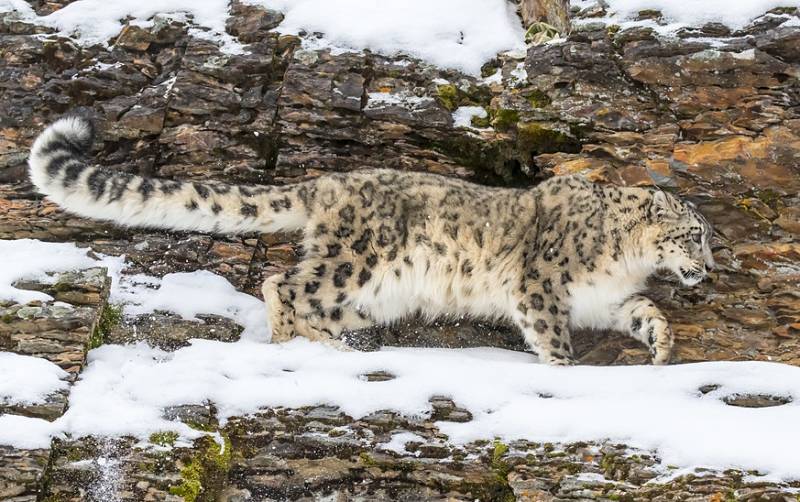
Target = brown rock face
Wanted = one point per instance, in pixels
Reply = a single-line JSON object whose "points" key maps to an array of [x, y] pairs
{"points": [[716, 120]]}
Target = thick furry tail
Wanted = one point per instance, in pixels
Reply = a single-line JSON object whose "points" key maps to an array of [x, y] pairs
{"points": [[59, 168]]}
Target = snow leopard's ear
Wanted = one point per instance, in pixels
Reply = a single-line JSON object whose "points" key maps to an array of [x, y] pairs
{"points": [[664, 207]]}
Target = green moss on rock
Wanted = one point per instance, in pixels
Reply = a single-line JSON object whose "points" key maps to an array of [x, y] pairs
{"points": [[536, 138], [495, 487], [204, 470], [451, 97], [109, 318], [164, 438], [538, 99], [191, 482], [481, 121], [490, 68], [504, 119], [448, 96], [384, 465]]}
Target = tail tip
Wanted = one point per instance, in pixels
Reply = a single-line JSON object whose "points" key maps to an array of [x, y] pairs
{"points": [[76, 126]]}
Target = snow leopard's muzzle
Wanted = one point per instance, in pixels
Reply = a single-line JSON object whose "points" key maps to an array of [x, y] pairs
{"points": [[693, 275]]}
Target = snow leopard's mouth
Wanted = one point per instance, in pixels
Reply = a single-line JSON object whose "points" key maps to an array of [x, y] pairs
{"points": [[691, 276]]}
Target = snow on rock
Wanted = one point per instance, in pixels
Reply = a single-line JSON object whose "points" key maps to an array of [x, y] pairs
{"points": [[682, 13], [397, 443], [123, 390], [185, 294], [400, 99], [25, 432], [33, 259], [97, 21], [189, 294], [460, 34], [28, 380], [462, 116], [691, 12], [457, 34]]}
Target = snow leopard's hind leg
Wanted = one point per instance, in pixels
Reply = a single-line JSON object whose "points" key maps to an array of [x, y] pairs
{"points": [[639, 317], [309, 301], [279, 295]]}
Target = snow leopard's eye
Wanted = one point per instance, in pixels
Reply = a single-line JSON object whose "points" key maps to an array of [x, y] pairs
{"points": [[697, 237]]}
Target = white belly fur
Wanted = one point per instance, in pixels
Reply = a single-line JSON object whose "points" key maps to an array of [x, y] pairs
{"points": [[432, 292], [595, 306]]}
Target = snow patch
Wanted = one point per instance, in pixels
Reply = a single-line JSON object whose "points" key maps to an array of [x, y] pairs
{"points": [[28, 380], [401, 99], [791, 22], [185, 294], [25, 432], [189, 294], [33, 259], [519, 75], [462, 116], [735, 15], [124, 389], [494, 78], [92, 22], [458, 34], [678, 14], [397, 443]]}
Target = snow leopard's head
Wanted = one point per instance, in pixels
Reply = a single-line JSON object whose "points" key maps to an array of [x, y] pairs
{"points": [[683, 242]]}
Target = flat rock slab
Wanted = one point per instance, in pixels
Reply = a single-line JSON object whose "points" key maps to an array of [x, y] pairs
{"points": [[22, 473], [170, 332], [319, 452], [60, 333]]}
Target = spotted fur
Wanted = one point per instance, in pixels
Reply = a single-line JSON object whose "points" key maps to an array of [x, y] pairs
{"points": [[381, 245]]}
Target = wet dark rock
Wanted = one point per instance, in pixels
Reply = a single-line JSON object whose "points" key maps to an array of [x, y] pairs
{"points": [[251, 23], [377, 376], [445, 409], [756, 400], [170, 332], [196, 415], [705, 389]]}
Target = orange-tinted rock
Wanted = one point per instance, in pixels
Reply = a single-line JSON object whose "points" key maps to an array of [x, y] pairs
{"points": [[789, 219]]}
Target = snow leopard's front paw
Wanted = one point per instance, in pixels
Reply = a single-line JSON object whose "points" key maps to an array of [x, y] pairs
{"points": [[641, 319], [660, 341], [561, 362]]}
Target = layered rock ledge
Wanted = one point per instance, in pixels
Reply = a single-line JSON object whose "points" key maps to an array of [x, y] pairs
{"points": [[710, 113]]}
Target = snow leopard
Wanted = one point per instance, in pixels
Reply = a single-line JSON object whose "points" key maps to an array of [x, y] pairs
{"points": [[381, 245]]}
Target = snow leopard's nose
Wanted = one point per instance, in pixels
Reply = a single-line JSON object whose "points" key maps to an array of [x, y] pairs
{"points": [[708, 262]]}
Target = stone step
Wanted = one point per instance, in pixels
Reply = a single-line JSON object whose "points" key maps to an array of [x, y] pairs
{"points": [[61, 334], [22, 473]]}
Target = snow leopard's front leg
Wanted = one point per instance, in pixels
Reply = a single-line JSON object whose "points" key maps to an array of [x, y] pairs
{"points": [[641, 319], [545, 326]]}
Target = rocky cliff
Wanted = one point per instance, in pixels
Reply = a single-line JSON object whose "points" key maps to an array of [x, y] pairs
{"points": [[710, 113]]}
